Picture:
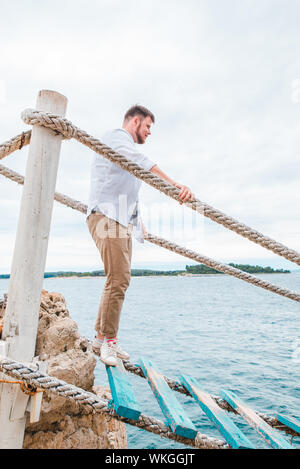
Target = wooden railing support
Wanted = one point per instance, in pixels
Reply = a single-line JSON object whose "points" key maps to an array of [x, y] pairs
{"points": [[29, 259]]}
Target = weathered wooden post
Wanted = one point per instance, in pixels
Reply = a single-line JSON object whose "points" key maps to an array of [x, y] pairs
{"points": [[28, 265]]}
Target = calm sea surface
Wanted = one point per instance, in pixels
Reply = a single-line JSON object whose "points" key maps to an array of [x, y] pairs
{"points": [[220, 330]]}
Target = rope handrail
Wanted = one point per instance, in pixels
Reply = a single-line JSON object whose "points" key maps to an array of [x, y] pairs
{"points": [[36, 380], [97, 404], [178, 387], [227, 269], [69, 130]]}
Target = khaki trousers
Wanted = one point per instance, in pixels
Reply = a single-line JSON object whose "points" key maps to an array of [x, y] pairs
{"points": [[115, 246]]}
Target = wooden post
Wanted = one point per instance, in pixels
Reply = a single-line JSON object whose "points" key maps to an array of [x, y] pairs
{"points": [[29, 258]]}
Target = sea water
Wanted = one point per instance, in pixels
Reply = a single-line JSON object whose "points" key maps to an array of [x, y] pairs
{"points": [[222, 331]]}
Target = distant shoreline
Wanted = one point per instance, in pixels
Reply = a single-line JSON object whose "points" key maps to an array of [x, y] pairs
{"points": [[190, 271], [143, 276]]}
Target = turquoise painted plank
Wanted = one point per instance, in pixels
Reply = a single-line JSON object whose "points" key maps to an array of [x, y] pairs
{"points": [[290, 422], [176, 417], [218, 416], [123, 396], [272, 436]]}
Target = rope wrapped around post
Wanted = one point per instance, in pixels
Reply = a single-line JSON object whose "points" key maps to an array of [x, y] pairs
{"points": [[69, 130], [227, 269], [100, 405]]}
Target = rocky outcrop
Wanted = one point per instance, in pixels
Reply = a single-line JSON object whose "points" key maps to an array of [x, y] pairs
{"points": [[64, 424]]}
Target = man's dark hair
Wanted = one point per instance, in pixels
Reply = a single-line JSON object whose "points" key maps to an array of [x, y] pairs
{"points": [[138, 110]]}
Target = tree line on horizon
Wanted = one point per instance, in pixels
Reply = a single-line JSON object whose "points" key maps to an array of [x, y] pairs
{"points": [[189, 269]]}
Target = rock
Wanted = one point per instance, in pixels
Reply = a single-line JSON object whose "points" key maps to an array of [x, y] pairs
{"points": [[64, 424], [91, 431]]}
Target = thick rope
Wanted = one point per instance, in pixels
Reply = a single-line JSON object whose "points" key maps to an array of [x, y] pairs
{"points": [[65, 127], [12, 175], [100, 405], [61, 198], [14, 144], [227, 269], [68, 130]]}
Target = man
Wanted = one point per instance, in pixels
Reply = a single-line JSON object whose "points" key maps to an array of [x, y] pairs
{"points": [[113, 214]]}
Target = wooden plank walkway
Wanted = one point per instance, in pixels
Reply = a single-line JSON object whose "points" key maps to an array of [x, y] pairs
{"points": [[272, 436], [176, 417], [218, 416], [126, 405], [290, 422], [124, 399]]}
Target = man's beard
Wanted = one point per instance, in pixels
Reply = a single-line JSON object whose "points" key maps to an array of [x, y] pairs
{"points": [[139, 139]]}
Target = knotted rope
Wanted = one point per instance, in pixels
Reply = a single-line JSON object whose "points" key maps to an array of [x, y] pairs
{"points": [[227, 269], [100, 405]]}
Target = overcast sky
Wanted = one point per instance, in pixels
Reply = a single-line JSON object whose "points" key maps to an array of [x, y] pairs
{"points": [[223, 80]]}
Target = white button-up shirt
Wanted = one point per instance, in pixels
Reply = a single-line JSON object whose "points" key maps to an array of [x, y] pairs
{"points": [[114, 191]]}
